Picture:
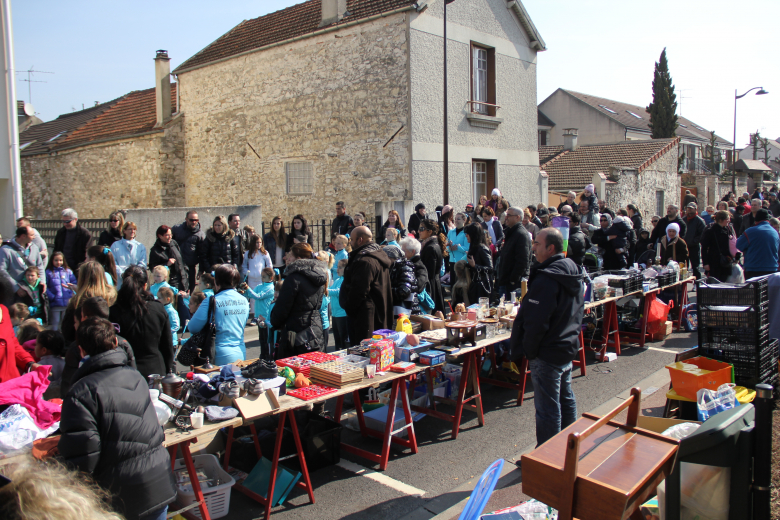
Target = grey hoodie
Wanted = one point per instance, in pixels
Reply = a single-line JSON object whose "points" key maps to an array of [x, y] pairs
{"points": [[14, 262]]}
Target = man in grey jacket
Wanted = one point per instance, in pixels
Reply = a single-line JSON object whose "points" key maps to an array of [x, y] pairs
{"points": [[16, 255]]}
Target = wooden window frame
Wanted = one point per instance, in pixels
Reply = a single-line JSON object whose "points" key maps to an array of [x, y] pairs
{"points": [[490, 108]]}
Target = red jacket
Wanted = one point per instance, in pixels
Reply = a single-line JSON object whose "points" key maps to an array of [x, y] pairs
{"points": [[13, 358]]}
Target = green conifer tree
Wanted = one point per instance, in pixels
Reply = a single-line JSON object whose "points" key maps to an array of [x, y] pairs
{"points": [[663, 109]]}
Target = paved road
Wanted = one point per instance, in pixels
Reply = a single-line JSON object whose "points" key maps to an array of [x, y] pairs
{"points": [[420, 486]]}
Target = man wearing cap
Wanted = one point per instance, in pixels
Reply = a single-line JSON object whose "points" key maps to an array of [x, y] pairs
{"points": [[415, 219], [693, 234], [774, 204], [760, 245], [470, 211]]}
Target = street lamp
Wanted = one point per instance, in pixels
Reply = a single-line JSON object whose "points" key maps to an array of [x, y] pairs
{"points": [[760, 92], [446, 134]]}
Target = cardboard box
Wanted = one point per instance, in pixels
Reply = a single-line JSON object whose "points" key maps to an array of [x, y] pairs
{"points": [[432, 357], [382, 354], [409, 353], [255, 405], [427, 321], [665, 331], [658, 424]]}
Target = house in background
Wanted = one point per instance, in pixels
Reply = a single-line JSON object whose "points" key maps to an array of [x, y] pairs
{"points": [[601, 120], [770, 158]]}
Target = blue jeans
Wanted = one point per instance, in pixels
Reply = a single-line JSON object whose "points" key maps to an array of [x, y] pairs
{"points": [[156, 515], [556, 407]]}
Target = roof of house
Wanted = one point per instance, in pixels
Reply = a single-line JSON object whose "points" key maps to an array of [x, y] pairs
{"points": [[294, 21], [574, 169], [43, 137], [751, 165], [543, 120], [637, 118], [133, 114]]}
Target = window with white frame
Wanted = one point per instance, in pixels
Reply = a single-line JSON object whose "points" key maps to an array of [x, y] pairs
{"points": [[479, 179], [300, 178], [480, 78]]}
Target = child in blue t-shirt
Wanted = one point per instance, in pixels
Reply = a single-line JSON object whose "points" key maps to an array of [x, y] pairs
{"points": [[160, 276], [165, 296], [339, 315], [263, 295]]}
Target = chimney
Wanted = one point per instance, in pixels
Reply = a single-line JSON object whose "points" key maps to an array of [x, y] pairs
{"points": [[333, 11], [162, 86], [570, 139]]}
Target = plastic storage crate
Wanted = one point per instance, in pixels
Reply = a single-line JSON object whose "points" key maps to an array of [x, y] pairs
{"points": [[753, 364], [749, 293], [217, 497], [666, 279], [733, 316]]}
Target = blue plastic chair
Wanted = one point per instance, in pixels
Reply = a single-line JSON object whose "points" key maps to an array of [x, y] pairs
{"points": [[479, 498]]}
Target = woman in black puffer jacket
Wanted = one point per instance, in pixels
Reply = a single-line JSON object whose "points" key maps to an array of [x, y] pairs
{"points": [[402, 281], [109, 427], [219, 247], [297, 309], [411, 248], [166, 252]]}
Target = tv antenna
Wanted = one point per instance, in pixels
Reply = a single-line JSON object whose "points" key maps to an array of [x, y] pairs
{"points": [[683, 96], [30, 81]]}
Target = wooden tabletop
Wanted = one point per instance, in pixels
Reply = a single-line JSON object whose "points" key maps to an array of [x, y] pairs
{"points": [[173, 435], [657, 289]]}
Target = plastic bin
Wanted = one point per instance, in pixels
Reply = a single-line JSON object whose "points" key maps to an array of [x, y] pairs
{"points": [[686, 384], [753, 364], [748, 293], [217, 497]]}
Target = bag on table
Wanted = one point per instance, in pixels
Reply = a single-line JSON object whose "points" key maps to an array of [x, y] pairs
{"points": [[712, 402], [201, 344], [656, 316]]}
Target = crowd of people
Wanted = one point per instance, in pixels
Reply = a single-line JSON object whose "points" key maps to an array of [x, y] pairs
{"points": [[105, 314]]}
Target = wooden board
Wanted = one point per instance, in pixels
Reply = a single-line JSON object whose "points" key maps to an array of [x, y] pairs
{"points": [[174, 436], [255, 405]]}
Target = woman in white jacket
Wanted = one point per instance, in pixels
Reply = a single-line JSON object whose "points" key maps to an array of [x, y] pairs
{"points": [[256, 259], [128, 251]]}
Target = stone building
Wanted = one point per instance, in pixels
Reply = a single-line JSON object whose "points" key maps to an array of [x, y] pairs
{"points": [[326, 100], [629, 172]]}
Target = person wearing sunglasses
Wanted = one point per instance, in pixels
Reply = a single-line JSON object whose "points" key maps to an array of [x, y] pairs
{"points": [[116, 221], [72, 239], [190, 236]]}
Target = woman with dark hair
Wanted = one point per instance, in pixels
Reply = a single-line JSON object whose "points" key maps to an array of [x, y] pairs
{"points": [[635, 215], [128, 251], [433, 258], [116, 222], [104, 256], [219, 246], [480, 262], [492, 227], [716, 254], [393, 221], [299, 234], [165, 251], [231, 311], [144, 323], [275, 242], [297, 310]]}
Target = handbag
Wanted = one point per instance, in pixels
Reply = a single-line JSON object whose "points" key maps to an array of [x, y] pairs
{"points": [[201, 344], [426, 302]]}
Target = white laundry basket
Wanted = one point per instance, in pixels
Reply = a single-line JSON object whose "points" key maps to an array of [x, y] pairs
{"points": [[217, 497]]}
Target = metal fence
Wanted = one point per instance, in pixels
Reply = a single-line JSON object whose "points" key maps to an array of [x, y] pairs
{"points": [[320, 230], [48, 228]]}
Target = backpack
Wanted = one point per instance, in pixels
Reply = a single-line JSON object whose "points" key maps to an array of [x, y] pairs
{"points": [[689, 317]]}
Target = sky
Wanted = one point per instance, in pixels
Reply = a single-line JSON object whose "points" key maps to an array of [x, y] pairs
{"points": [[97, 51]]}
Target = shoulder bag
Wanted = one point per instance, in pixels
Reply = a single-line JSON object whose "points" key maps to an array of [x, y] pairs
{"points": [[201, 344]]}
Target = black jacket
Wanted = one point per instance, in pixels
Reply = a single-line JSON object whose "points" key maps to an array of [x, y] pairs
{"points": [[402, 279], [659, 231], [150, 337], [421, 278], [190, 243], [110, 430], [694, 233], [269, 242], [108, 237], [748, 221], [366, 293], [291, 240], [498, 230], [242, 244], [160, 253], [218, 249], [83, 242], [514, 259], [575, 208], [579, 243], [342, 225], [637, 221], [481, 274], [432, 258], [299, 302], [414, 221], [73, 358], [774, 208], [548, 324], [715, 250], [383, 230], [641, 245]]}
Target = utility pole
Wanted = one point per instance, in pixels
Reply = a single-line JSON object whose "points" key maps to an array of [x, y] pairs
{"points": [[446, 182]]}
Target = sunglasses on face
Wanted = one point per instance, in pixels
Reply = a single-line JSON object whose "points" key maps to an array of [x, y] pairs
{"points": [[114, 220], [67, 221], [193, 220]]}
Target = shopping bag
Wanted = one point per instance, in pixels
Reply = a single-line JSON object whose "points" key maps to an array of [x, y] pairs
{"points": [[712, 402], [656, 316], [737, 275], [426, 302]]}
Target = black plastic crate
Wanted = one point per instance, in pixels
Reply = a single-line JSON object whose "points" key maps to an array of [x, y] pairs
{"points": [[753, 364], [320, 439], [749, 293], [732, 337], [747, 317], [666, 279], [630, 284]]}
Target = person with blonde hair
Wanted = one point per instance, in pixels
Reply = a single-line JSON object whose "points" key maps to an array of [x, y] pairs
{"points": [[116, 221], [128, 251], [38, 490], [329, 259], [91, 282]]}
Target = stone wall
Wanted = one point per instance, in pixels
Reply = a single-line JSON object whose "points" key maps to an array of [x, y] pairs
{"points": [[641, 188], [333, 100], [143, 172]]}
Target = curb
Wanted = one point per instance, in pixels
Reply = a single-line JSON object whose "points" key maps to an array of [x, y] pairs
{"points": [[451, 503]]}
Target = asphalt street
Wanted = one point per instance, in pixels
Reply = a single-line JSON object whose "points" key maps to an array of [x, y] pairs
{"points": [[444, 471]]}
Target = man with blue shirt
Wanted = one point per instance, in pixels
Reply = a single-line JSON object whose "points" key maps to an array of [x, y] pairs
{"points": [[760, 244]]}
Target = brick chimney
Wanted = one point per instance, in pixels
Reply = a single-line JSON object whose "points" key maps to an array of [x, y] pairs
{"points": [[333, 11], [162, 86], [570, 139]]}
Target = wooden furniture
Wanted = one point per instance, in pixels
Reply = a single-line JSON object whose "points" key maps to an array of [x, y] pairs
{"points": [[598, 469]]}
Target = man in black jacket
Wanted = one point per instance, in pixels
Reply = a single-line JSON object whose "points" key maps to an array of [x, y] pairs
{"points": [[73, 240], [514, 259], [774, 205], [343, 223], [366, 293], [749, 219], [546, 331], [239, 237], [110, 430], [693, 236], [659, 231], [415, 218], [579, 243], [190, 236]]}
